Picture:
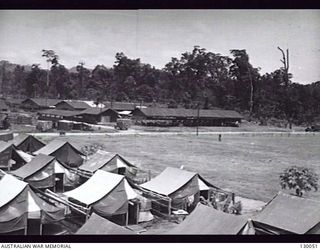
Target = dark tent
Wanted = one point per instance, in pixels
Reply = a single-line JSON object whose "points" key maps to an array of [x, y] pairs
{"points": [[19, 203], [27, 143], [288, 214], [99, 225], [173, 189], [39, 172], [207, 220], [107, 194], [63, 151], [10, 159]]}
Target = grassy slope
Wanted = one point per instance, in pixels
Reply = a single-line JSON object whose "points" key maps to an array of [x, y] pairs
{"points": [[247, 165]]}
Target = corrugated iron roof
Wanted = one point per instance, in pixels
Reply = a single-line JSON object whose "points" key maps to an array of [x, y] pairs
{"points": [[120, 105], [59, 112], [76, 104], [290, 213], [43, 102], [191, 113], [207, 220], [96, 111]]}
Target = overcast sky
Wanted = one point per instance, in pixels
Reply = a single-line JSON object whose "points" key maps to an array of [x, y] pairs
{"points": [[157, 35]]}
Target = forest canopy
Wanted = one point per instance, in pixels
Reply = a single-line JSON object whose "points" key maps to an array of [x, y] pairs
{"points": [[199, 78]]}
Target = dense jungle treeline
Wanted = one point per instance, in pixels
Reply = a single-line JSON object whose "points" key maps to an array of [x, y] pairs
{"points": [[198, 78]]}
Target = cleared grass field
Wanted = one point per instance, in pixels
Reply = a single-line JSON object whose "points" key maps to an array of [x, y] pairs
{"points": [[245, 164]]}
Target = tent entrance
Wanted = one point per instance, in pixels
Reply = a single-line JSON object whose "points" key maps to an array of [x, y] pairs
{"points": [[133, 213], [59, 177], [34, 227], [120, 219]]}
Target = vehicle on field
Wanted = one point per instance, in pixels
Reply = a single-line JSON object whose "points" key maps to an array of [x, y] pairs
{"points": [[313, 128], [123, 124]]}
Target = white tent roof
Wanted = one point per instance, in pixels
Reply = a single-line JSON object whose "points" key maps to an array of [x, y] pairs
{"points": [[16, 187], [25, 155], [32, 205], [10, 188], [202, 185], [98, 186], [58, 168], [130, 192]]}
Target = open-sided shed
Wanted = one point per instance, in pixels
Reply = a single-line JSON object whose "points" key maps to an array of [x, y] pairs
{"points": [[99, 225], [27, 143], [287, 214], [64, 151], [106, 194], [207, 220]]}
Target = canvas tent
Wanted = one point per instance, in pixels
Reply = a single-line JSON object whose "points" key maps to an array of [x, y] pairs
{"points": [[173, 189], [10, 159], [207, 220], [108, 162], [64, 151], [99, 225], [106, 194], [39, 172], [27, 143], [18, 203], [287, 214], [176, 189]]}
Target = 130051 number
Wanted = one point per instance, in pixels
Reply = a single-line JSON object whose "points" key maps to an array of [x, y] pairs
{"points": [[309, 246]]}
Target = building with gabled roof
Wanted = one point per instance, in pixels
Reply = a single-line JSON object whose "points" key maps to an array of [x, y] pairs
{"points": [[34, 104], [73, 105]]}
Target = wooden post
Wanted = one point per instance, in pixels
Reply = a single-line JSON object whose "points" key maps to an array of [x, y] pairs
{"points": [[149, 174], [26, 229], [40, 223], [169, 207], [87, 213], [138, 212], [127, 218], [198, 114]]}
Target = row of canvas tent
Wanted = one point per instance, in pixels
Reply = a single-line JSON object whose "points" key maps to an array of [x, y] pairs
{"points": [[43, 167], [181, 188], [284, 214]]}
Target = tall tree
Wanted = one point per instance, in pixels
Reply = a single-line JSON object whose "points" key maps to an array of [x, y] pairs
{"points": [[52, 59], [34, 82], [245, 73], [288, 102], [101, 81]]}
